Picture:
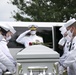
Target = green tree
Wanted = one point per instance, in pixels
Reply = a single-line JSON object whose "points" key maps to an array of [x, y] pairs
{"points": [[45, 10]]}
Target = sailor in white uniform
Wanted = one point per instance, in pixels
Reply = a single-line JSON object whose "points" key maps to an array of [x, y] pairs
{"points": [[28, 40], [70, 60], [65, 43], [7, 62]]}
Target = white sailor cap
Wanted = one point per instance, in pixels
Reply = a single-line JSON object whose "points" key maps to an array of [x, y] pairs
{"points": [[30, 26], [4, 27], [8, 27], [69, 23], [63, 30], [11, 28]]}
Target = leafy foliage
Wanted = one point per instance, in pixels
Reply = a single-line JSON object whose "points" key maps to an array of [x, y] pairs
{"points": [[45, 10]]}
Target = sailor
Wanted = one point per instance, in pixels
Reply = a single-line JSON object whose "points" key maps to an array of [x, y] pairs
{"points": [[65, 43], [70, 60], [7, 62], [31, 39]]}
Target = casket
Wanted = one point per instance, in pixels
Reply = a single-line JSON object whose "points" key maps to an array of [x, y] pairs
{"points": [[37, 59]]}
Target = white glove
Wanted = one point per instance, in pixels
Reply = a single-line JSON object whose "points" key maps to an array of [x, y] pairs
{"points": [[61, 70], [61, 41]]}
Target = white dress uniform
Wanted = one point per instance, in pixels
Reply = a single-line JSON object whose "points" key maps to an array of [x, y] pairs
{"points": [[66, 50], [26, 40], [63, 57], [71, 58], [65, 42], [5, 58]]}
